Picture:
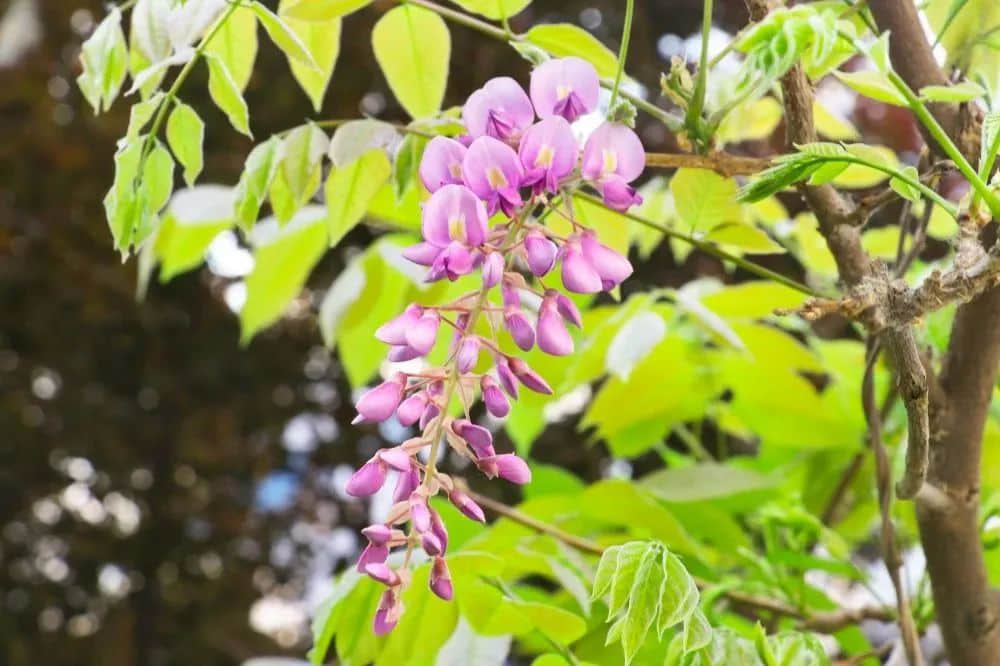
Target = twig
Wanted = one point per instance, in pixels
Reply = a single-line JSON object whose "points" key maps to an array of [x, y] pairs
{"points": [[883, 474], [827, 621], [725, 164], [912, 382]]}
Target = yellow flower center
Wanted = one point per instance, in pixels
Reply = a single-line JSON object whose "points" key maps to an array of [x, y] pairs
{"points": [[610, 160], [456, 227], [455, 168], [545, 157], [563, 91], [495, 178]]}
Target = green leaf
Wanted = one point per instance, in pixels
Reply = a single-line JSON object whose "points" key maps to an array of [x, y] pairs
{"points": [[194, 218], [322, 40], [679, 596], [125, 204], [752, 299], [104, 58], [149, 34], [704, 199], [321, 10], [422, 630], [958, 92], [861, 176], [633, 342], [412, 46], [494, 10], [405, 168], [258, 172], [620, 502], [283, 36], [903, 188], [301, 164], [341, 295], [158, 179], [283, 259], [558, 624], [349, 190], [990, 133], [467, 648], [235, 45], [745, 237], [140, 114], [704, 481], [356, 137], [872, 84], [186, 134], [566, 39], [324, 624], [226, 94]]}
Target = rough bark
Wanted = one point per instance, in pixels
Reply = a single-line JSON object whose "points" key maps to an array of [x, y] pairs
{"points": [[949, 523]]}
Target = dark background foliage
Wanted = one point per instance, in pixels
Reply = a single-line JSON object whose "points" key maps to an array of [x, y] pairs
{"points": [[156, 479]]}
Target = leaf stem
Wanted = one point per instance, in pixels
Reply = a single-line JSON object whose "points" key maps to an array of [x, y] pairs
{"points": [[693, 118], [622, 52]]}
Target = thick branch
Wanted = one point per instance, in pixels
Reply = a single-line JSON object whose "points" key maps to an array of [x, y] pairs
{"points": [[912, 382], [725, 164]]}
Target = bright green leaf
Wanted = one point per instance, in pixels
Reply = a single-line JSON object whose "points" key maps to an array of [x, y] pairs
{"points": [[341, 295], [194, 218], [745, 237], [321, 10], [282, 35], [704, 481], [301, 164], [104, 58], [704, 199], [494, 10], [350, 188], [258, 172], [958, 92], [186, 134], [872, 84], [322, 40], [413, 46], [235, 45], [566, 39], [226, 94]]}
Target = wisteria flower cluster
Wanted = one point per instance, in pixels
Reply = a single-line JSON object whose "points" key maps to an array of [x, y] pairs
{"points": [[511, 164]]}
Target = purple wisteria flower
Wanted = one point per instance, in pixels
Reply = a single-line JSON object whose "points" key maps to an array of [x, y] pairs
{"points": [[442, 163], [566, 87], [612, 158], [500, 109], [548, 152], [494, 172], [504, 164]]}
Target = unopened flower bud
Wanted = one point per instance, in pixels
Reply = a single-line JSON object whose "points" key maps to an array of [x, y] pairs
{"points": [[367, 480], [440, 580], [494, 399], [467, 506], [541, 253]]}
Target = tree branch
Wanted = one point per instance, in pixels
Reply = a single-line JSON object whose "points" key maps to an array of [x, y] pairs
{"points": [[725, 164]]}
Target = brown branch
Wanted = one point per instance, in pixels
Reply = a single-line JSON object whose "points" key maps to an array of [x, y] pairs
{"points": [[912, 382], [968, 613], [883, 475], [826, 621], [725, 164]]}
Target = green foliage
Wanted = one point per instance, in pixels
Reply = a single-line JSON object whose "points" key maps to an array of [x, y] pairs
{"points": [[494, 9], [321, 39], [412, 46], [350, 188], [186, 135], [235, 46], [566, 39], [227, 95], [322, 10], [104, 57]]}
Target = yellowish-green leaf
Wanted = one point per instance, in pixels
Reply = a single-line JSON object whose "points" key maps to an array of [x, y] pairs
{"points": [[349, 189], [959, 92], [283, 259], [186, 135], [832, 126], [704, 199], [751, 122], [752, 299], [566, 39], [104, 57], [872, 84], [322, 39], [320, 10], [158, 179], [235, 44], [860, 176], [194, 218], [745, 237], [413, 46], [258, 172], [493, 9], [283, 36], [301, 164], [881, 242], [227, 95]]}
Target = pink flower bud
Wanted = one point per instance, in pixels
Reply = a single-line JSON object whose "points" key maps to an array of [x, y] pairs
{"points": [[493, 266], [423, 333], [506, 377], [529, 377], [513, 469], [480, 439], [396, 458], [429, 414], [372, 554], [420, 513], [467, 506], [499, 109], [541, 253], [511, 299], [520, 328], [611, 266], [494, 399], [409, 410], [566, 87], [440, 580], [379, 403], [439, 530], [406, 483], [389, 611], [568, 309], [378, 534], [577, 273], [431, 544], [613, 157], [468, 353], [367, 480], [454, 261], [382, 573], [553, 338], [393, 332]]}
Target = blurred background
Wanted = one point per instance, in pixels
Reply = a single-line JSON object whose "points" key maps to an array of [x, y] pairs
{"points": [[167, 497]]}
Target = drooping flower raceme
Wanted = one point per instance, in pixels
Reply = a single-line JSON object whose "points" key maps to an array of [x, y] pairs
{"points": [[510, 164]]}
